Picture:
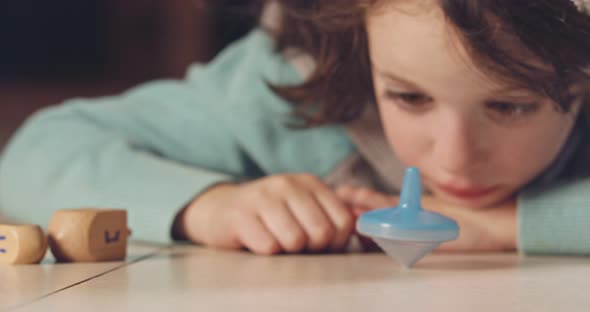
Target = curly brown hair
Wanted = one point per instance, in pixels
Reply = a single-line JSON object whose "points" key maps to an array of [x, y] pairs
{"points": [[333, 33]]}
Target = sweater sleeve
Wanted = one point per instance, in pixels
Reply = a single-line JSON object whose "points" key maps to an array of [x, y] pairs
{"points": [[555, 219], [149, 151]]}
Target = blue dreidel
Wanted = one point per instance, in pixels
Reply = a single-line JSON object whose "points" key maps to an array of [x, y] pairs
{"points": [[407, 233]]}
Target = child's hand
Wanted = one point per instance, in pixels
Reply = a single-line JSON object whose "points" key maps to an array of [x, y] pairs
{"points": [[490, 229], [290, 213]]}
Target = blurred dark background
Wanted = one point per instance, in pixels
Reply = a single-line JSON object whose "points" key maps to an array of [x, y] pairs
{"points": [[54, 50]]}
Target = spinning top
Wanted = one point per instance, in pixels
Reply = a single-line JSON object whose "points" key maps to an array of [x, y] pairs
{"points": [[407, 233]]}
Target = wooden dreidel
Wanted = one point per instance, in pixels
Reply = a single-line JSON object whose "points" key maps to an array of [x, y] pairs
{"points": [[22, 244], [88, 235]]}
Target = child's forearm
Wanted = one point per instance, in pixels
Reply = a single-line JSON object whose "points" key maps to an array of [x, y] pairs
{"points": [[489, 229], [555, 219]]}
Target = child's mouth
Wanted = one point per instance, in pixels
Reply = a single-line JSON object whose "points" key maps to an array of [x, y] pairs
{"points": [[466, 193]]}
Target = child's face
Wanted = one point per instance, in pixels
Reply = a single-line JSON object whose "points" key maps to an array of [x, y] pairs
{"points": [[475, 140]]}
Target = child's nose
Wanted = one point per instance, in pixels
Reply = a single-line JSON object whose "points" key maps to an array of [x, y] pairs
{"points": [[456, 147]]}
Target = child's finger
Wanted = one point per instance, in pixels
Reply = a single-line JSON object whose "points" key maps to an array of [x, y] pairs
{"points": [[372, 199], [361, 196], [281, 222], [346, 193], [359, 210], [340, 215], [253, 234], [314, 220]]}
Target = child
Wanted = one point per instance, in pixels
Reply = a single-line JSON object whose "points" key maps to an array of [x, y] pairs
{"points": [[277, 144]]}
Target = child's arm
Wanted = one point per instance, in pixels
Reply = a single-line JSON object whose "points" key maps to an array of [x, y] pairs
{"points": [[555, 219], [155, 148], [120, 152]]}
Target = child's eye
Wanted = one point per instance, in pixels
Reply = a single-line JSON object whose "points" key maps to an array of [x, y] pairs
{"points": [[412, 100], [507, 112]]}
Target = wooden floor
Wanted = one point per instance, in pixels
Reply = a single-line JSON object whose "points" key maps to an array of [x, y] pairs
{"points": [[190, 278]]}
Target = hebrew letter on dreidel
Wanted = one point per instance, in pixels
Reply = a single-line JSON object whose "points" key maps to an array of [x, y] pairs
{"points": [[22, 244], [86, 235], [108, 239]]}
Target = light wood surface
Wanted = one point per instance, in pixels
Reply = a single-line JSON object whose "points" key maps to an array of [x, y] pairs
{"points": [[188, 278], [22, 284]]}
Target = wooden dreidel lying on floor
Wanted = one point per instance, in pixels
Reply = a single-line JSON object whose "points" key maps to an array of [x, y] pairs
{"points": [[407, 233], [22, 244], [88, 235]]}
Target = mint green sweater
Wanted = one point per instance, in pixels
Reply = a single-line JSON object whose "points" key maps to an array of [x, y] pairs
{"points": [[154, 148]]}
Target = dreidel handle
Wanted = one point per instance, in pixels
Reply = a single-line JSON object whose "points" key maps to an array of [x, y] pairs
{"points": [[411, 191]]}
